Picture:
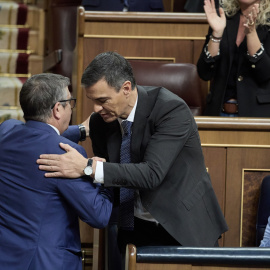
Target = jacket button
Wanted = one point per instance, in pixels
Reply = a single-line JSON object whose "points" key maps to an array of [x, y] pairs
{"points": [[240, 78], [253, 66]]}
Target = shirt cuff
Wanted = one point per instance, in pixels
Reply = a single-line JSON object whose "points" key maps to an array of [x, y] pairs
{"points": [[99, 175]]}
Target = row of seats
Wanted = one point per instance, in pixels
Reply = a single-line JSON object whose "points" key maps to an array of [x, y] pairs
{"points": [[21, 52]]}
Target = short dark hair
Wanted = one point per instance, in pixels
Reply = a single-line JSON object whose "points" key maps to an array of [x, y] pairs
{"points": [[40, 92], [110, 66]]}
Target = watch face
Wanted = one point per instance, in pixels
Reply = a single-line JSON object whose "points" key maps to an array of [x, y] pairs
{"points": [[88, 170]]}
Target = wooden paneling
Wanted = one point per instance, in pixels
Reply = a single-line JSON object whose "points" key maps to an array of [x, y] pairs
{"points": [[237, 160], [238, 145]]}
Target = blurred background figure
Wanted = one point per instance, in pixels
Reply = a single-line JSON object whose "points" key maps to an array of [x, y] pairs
{"points": [[196, 5], [123, 5]]}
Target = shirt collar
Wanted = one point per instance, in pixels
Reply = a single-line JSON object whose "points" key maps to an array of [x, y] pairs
{"points": [[57, 131], [131, 115]]}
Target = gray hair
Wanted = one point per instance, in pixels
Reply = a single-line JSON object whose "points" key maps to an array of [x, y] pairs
{"points": [[40, 92]]}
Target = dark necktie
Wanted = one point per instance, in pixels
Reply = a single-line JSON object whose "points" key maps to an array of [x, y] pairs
{"points": [[126, 195]]}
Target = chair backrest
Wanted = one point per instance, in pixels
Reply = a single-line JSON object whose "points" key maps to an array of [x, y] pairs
{"points": [[263, 209], [180, 78]]}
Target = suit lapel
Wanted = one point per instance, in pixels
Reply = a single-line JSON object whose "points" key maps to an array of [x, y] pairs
{"points": [[142, 113], [114, 136]]}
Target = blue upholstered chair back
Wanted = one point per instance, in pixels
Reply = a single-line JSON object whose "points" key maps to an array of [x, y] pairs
{"points": [[263, 209]]}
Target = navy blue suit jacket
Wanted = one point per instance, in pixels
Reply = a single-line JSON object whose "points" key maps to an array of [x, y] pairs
{"points": [[39, 227]]}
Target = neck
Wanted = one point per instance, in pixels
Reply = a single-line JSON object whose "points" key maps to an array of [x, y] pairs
{"points": [[131, 103], [54, 124]]}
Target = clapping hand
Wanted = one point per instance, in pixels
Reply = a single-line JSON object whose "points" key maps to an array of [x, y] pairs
{"points": [[216, 22]]}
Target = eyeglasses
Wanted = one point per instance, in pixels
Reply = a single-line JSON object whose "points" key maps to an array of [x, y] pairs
{"points": [[72, 102]]}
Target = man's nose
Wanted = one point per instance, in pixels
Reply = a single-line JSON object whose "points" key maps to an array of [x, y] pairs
{"points": [[97, 108]]}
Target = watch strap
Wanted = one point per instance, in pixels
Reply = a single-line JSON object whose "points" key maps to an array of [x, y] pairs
{"points": [[90, 162], [82, 131]]}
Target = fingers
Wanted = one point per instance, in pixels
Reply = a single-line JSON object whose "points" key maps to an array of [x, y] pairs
{"points": [[213, 4], [66, 147], [252, 16], [47, 167], [48, 158], [222, 13], [54, 174]]}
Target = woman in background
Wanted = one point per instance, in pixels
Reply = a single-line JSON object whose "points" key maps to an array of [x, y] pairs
{"points": [[236, 58]]}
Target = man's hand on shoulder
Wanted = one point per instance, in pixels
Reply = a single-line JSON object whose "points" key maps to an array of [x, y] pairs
{"points": [[68, 165]]}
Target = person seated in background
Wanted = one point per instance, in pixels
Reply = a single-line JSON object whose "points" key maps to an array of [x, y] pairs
{"points": [[124, 5], [39, 226], [236, 58], [266, 237], [196, 5]]}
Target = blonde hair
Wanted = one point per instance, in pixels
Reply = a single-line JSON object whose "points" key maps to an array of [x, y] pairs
{"points": [[231, 7]]}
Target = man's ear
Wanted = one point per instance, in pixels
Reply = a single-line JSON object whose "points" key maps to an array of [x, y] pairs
{"points": [[127, 87], [56, 111]]}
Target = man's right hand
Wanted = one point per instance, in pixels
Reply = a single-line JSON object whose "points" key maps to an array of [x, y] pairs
{"points": [[68, 165]]}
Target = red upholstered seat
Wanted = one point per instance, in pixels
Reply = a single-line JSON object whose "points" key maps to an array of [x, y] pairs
{"points": [[180, 78]]}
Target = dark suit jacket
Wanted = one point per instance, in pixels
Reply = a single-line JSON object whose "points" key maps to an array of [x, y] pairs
{"points": [[118, 5], [167, 166], [39, 227], [253, 86]]}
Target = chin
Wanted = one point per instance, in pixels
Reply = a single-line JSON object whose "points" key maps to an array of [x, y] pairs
{"points": [[109, 118]]}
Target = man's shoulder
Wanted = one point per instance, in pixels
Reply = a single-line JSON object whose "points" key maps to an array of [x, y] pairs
{"points": [[9, 124], [158, 92]]}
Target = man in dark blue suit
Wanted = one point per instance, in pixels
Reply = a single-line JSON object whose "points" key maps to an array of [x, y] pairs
{"points": [[39, 226]]}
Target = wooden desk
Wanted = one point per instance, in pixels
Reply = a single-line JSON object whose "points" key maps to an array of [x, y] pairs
{"points": [[237, 155]]}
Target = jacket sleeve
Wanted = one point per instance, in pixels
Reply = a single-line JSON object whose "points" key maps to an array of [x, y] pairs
{"points": [[260, 65], [207, 64], [92, 203], [72, 133]]}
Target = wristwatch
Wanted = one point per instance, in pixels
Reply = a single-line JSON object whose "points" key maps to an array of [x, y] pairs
{"points": [[88, 170]]}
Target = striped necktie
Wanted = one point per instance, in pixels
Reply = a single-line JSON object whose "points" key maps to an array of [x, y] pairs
{"points": [[126, 195]]}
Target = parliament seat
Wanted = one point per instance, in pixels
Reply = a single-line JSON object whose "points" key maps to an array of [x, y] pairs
{"points": [[180, 78]]}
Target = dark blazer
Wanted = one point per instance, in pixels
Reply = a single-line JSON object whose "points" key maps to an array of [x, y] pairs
{"points": [[167, 166], [118, 5], [39, 226], [253, 76]]}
